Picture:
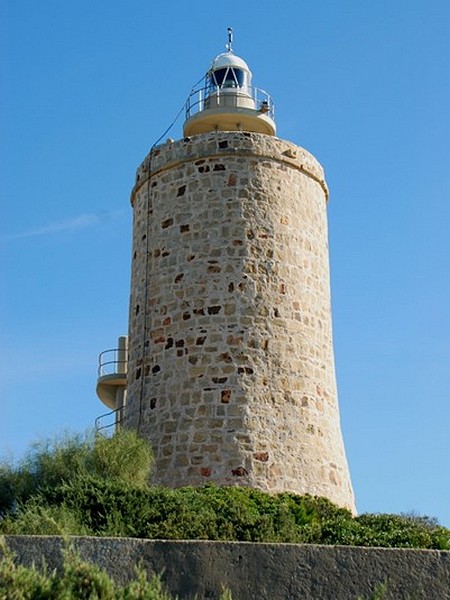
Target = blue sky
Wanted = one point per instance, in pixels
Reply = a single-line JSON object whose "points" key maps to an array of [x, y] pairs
{"points": [[364, 86]]}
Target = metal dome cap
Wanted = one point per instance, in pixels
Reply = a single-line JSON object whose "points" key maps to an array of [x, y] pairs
{"points": [[229, 59]]}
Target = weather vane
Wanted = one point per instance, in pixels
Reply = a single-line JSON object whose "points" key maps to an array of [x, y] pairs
{"points": [[230, 40]]}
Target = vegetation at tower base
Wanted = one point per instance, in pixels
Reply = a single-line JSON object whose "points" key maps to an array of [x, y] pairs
{"points": [[92, 485]]}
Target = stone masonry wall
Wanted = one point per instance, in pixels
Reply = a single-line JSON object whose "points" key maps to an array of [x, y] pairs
{"points": [[202, 569], [231, 369]]}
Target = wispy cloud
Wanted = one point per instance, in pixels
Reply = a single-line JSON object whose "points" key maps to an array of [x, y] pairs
{"points": [[80, 222]]}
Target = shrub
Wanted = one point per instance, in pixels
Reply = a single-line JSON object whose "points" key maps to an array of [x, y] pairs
{"points": [[379, 593], [38, 519], [17, 581], [98, 486], [123, 457], [111, 508], [402, 531]]}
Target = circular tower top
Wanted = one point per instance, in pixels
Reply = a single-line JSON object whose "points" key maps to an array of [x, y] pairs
{"points": [[227, 101]]}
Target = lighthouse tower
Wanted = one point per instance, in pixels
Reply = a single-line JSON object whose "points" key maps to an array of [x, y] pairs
{"points": [[230, 365]]}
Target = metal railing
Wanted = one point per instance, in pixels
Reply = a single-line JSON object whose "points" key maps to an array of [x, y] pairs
{"points": [[200, 96], [111, 362], [114, 419]]}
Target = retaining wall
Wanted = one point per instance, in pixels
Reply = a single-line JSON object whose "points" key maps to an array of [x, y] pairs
{"points": [[257, 571]]}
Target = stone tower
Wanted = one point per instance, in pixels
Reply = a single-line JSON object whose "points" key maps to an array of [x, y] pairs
{"points": [[231, 369]]}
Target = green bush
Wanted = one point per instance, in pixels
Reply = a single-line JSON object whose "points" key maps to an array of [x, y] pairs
{"points": [[123, 457], [36, 518], [379, 592], [233, 513], [98, 486]]}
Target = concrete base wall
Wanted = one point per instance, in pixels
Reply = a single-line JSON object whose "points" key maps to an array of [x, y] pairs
{"points": [[257, 571]]}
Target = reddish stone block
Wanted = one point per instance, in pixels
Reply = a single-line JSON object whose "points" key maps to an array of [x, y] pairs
{"points": [[261, 456], [239, 472], [225, 396], [167, 223]]}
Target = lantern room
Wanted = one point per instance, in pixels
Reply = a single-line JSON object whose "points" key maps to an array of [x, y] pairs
{"points": [[226, 100]]}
